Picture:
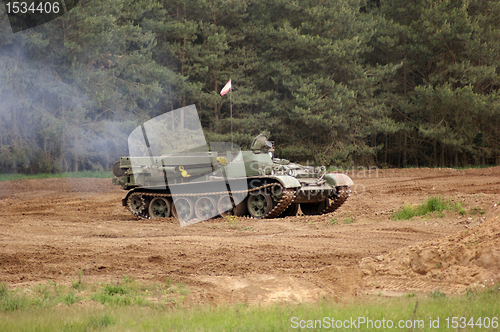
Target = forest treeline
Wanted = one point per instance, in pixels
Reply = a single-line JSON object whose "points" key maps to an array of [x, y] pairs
{"points": [[377, 82]]}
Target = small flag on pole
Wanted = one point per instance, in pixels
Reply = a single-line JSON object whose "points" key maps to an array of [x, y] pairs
{"points": [[226, 88]]}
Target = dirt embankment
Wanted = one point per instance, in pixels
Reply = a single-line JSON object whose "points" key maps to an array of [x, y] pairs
{"points": [[468, 259], [53, 228]]}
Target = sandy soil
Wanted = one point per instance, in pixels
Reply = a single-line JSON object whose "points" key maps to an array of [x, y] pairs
{"points": [[52, 228]]}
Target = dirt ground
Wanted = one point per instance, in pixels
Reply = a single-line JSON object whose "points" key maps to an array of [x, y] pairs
{"points": [[53, 228]]}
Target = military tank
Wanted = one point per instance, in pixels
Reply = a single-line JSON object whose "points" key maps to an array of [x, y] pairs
{"points": [[194, 185]]}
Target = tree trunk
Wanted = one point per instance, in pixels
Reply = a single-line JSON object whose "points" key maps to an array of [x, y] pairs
{"points": [[15, 127], [60, 160], [442, 155], [386, 147], [434, 153], [404, 150], [373, 138], [75, 164], [216, 106]]}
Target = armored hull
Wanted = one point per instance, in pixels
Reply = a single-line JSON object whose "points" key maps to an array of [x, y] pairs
{"points": [[200, 186], [172, 171]]}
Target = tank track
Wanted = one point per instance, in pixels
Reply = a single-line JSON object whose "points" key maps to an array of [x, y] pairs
{"points": [[285, 201], [342, 196]]}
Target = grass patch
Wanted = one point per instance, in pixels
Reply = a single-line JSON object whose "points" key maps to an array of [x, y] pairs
{"points": [[82, 174], [439, 167], [79, 285], [476, 210], [461, 210], [279, 317], [232, 221], [331, 221], [40, 296], [437, 294], [126, 292], [433, 205], [349, 220], [475, 167]]}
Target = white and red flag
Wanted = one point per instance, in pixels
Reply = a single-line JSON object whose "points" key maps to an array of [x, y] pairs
{"points": [[226, 88]]}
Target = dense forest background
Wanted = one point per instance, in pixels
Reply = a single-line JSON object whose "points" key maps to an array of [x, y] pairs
{"points": [[378, 82]]}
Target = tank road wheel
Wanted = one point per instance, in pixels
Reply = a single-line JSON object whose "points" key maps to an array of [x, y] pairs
{"points": [[260, 204], [205, 208], [136, 204], [241, 207], [224, 206], [160, 207], [183, 209]]}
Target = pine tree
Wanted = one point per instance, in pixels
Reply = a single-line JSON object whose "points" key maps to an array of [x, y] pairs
{"points": [[448, 83]]}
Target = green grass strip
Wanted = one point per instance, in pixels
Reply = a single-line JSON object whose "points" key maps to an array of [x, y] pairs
{"points": [[411, 313], [81, 174], [432, 205]]}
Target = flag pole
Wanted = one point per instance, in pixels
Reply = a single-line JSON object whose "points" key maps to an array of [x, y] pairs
{"points": [[223, 92], [229, 88], [231, 111]]}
